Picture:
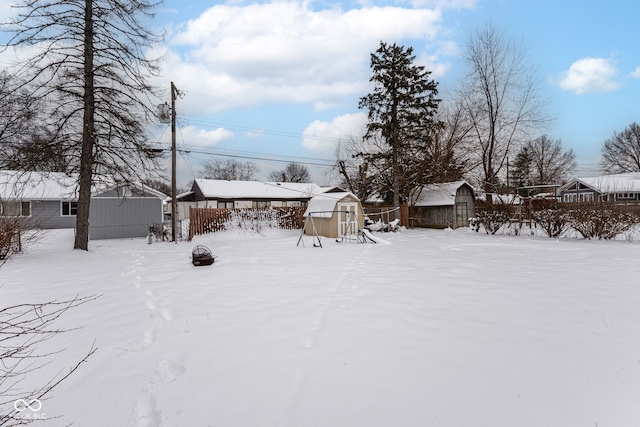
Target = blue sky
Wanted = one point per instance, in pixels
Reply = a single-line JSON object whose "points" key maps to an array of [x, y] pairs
{"points": [[278, 81]]}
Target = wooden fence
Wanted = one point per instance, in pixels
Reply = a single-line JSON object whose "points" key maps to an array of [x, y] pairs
{"points": [[386, 213], [210, 220]]}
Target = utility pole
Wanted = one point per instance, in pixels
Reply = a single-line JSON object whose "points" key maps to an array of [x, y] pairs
{"points": [[174, 93], [168, 114]]}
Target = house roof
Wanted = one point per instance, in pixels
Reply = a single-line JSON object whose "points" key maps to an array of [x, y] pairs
{"points": [[605, 184], [51, 186], [323, 205], [223, 189], [37, 185], [443, 194]]}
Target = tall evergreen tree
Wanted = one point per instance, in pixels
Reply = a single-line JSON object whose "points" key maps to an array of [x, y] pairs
{"points": [[522, 171], [401, 112], [91, 69]]}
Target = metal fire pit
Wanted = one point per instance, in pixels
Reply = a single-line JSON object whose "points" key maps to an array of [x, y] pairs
{"points": [[201, 255]]}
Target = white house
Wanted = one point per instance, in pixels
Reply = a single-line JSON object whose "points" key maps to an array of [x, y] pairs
{"points": [[214, 193]]}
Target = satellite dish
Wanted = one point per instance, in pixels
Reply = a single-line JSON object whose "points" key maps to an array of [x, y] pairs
{"points": [[164, 113]]}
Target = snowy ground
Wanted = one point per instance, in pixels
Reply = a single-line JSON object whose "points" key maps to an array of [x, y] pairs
{"points": [[436, 328]]}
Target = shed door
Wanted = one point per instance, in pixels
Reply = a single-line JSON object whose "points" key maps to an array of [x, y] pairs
{"points": [[347, 219], [462, 215]]}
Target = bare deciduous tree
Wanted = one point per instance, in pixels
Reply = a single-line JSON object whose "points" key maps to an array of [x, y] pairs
{"points": [[621, 153], [552, 164], [293, 172], [501, 98], [90, 66], [229, 169], [542, 161], [356, 172]]}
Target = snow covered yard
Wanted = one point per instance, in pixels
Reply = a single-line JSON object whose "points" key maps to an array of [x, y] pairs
{"points": [[436, 328]]}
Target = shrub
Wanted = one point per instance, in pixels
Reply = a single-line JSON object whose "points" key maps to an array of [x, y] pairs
{"points": [[601, 223], [493, 220], [10, 235], [554, 222]]}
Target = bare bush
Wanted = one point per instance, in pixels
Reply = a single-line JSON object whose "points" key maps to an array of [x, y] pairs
{"points": [[493, 220], [554, 222], [23, 330], [9, 238], [602, 223], [14, 234]]}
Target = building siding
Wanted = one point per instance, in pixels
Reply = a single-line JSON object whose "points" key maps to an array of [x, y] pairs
{"points": [[114, 218], [454, 216], [47, 214]]}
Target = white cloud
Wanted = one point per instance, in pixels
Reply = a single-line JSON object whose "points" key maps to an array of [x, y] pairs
{"points": [[636, 73], [323, 137], [451, 4], [285, 52], [590, 75], [190, 137], [5, 10]]}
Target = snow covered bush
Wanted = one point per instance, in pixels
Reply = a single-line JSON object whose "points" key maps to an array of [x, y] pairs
{"points": [[554, 222], [251, 219], [493, 220], [605, 223]]}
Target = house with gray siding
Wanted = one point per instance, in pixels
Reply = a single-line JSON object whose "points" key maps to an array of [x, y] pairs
{"points": [[50, 201], [619, 188]]}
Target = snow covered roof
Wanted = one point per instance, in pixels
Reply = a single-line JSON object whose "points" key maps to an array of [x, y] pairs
{"points": [[37, 185], [51, 186], [443, 194], [223, 189], [323, 205], [624, 182]]}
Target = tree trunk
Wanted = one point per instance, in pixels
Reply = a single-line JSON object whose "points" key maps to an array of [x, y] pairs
{"points": [[396, 175], [88, 137]]}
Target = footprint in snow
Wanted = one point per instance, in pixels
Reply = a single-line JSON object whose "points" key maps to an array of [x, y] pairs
{"points": [[166, 314], [145, 413], [166, 371]]}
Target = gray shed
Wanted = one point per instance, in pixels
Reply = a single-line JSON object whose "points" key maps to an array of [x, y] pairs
{"points": [[125, 211], [449, 204]]}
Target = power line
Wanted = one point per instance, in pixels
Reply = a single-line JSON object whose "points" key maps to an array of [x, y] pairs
{"points": [[289, 159], [258, 129]]}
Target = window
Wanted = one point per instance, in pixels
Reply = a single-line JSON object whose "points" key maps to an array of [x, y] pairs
{"points": [[586, 197], [629, 196], [15, 208], [69, 208], [260, 204], [225, 205]]}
